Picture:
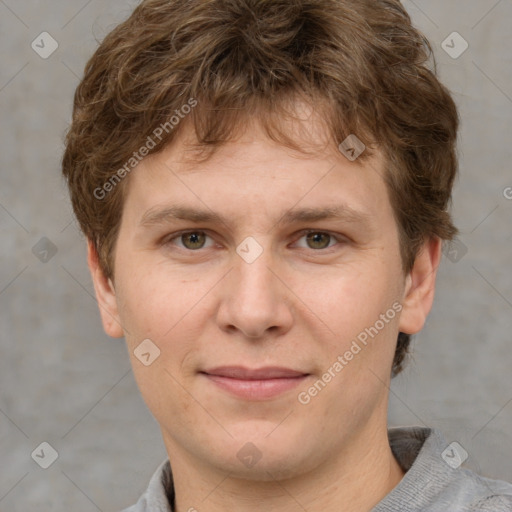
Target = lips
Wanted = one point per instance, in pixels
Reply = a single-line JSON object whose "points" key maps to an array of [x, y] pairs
{"points": [[241, 373], [254, 384]]}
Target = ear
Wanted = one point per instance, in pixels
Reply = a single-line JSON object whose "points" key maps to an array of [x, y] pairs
{"points": [[105, 294], [420, 287]]}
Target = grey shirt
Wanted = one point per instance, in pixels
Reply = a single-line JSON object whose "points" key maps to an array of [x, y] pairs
{"points": [[433, 482]]}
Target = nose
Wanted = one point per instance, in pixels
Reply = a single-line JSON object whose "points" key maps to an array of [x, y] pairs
{"points": [[255, 302]]}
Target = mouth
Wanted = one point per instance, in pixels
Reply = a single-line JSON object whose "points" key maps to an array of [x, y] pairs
{"points": [[254, 384]]}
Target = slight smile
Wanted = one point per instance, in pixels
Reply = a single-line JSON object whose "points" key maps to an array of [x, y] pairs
{"points": [[256, 384]]}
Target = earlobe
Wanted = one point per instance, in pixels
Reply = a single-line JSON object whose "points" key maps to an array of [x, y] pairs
{"points": [[420, 287], [105, 294]]}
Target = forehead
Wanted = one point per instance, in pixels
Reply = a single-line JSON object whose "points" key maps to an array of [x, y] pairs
{"points": [[253, 175]]}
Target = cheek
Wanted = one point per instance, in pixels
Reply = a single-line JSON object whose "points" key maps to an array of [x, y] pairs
{"points": [[346, 297], [165, 308], [153, 306], [147, 298], [145, 309], [359, 308]]}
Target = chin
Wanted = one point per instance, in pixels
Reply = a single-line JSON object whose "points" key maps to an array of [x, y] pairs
{"points": [[266, 469], [262, 458]]}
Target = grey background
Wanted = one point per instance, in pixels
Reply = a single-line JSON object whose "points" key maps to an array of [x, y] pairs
{"points": [[63, 381]]}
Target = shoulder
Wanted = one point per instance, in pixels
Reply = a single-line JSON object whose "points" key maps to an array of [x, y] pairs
{"points": [[435, 479], [159, 494], [493, 503], [494, 496]]}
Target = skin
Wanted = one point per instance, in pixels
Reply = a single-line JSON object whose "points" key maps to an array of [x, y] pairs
{"points": [[299, 305]]}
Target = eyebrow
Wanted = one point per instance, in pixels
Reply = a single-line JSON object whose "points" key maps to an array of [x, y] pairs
{"points": [[168, 214]]}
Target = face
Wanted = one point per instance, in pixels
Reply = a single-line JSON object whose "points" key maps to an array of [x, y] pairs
{"points": [[257, 275]]}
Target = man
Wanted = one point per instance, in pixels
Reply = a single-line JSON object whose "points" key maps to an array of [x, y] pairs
{"points": [[264, 189]]}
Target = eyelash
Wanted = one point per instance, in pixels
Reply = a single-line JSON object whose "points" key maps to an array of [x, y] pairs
{"points": [[327, 250]]}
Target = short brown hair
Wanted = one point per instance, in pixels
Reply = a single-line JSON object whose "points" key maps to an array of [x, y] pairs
{"points": [[361, 62]]}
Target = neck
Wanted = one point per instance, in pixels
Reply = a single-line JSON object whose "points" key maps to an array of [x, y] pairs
{"points": [[353, 480]]}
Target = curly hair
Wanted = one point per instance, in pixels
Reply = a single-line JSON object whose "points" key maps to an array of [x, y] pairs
{"points": [[360, 63]]}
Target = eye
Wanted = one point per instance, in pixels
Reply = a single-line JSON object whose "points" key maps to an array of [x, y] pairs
{"points": [[190, 240], [318, 240], [196, 240]]}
